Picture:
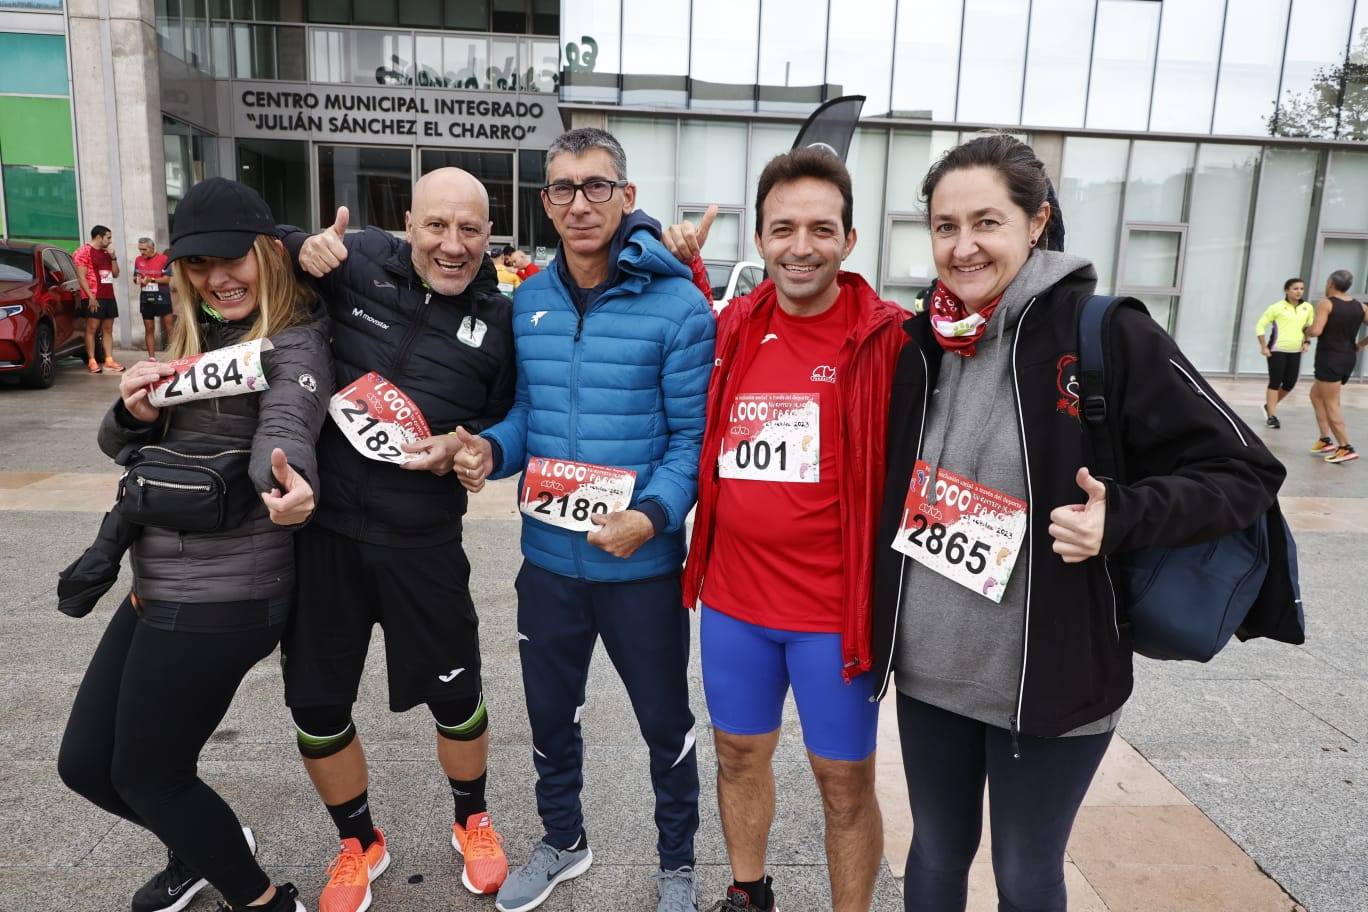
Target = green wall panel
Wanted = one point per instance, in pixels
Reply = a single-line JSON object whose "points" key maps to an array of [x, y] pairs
{"points": [[41, 202], [36, 131], [33, 64]]}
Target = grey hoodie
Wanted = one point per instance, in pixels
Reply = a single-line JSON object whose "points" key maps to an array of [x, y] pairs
{"points": [[959, 650]]}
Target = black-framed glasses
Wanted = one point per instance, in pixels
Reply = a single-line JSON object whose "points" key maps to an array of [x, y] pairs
{"points": [[596, 190]]}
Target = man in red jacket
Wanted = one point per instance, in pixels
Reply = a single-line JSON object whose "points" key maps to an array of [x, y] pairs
{"points": [[782, 554]]}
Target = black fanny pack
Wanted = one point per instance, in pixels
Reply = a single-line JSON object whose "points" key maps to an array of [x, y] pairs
{"points": [[184, 491]]}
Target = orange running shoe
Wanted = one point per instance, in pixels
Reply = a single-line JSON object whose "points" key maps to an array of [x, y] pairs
{"points": [[112, 365], [482, 847], [351, 873]]}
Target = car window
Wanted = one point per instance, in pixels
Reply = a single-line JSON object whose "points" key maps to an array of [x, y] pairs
{"points": [[52, 264], [68, 267], [749, 278], [16, 265], [718, 274]]}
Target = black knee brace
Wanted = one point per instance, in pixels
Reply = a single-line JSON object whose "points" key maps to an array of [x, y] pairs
{"points": [[321, 731], [461, 719]]}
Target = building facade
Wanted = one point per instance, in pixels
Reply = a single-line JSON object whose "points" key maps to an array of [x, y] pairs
{"points": [[1204, 150]]}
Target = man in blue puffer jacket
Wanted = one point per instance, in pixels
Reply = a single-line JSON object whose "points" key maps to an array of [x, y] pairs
{"points": [[614, 350]]}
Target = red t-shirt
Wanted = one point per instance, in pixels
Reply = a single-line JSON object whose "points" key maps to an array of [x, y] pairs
{"points": [[98, 265], [155, 267], [528, 271], [776, 555]]}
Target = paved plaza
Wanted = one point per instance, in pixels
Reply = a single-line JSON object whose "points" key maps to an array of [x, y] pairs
{"points": [[1235, 786]]}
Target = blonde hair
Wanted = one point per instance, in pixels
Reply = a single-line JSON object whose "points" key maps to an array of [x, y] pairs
{"points": [[282, 300]]}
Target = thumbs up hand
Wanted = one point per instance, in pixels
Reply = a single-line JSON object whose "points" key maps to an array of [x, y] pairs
{"points": [[685, 240], [1077, 528], [474, 461], [292, 502], [324, 252]]}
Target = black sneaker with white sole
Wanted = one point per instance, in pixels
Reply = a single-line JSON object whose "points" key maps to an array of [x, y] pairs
{"points": [[172, 888], [286, 899]]}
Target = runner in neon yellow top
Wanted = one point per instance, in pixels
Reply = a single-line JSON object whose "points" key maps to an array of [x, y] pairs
{"points": [[1283, 346]]}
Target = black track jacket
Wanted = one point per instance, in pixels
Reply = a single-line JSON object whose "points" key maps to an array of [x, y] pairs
{"points": [[385, 320], [1201, 472]]}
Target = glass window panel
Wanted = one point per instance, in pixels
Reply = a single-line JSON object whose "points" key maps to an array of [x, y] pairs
{"points": [[1185, 76], [428, 60], [860, 51], [1160, 307], [1346, 189], [1278, 241], [1158, 181], [909, 253], [906, 297], [268, 52], [656, 29], [546, 17], [1123, 63], [926, 57], [724, 238], [1217, 229], [650, 148], [1152, 258], [40, 201], [375, 12], [767, 141], [867, 160], [465, 59], [543, 56], [466, 14], [1251, 58], [712, 156], [792, 50], [375, 183], [279, 171], [1312, 81], [330, 11], [913, 155], [1094, 174], [33, 64], [510, 16], [1342, 253], [381, 58], [990, 71], [495, 171], [592, 50], [220, 53], [420, 13], [1057, 70], [502, 74], [535, 230], [725, 41], [1352, 121]]}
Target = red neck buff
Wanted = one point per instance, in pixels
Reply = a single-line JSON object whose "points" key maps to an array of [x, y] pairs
{"points": [[956, 329]]}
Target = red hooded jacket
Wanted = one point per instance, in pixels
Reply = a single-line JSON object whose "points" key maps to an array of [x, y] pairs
{"points": [[864, 372]]}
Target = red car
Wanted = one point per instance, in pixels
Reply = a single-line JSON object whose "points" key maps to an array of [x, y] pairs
{"points": [[39, 316]]}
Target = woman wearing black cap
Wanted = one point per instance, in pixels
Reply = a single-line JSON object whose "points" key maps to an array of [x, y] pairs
{"points": [[205, 606]]}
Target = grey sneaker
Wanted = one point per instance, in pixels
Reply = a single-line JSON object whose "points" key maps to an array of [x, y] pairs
{"points": [[528, 886], [676, 889]]}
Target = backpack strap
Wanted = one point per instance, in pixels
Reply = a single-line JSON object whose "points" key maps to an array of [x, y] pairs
{"points": [[1094, 318]]}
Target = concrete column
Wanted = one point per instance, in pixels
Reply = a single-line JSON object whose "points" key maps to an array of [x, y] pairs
{"points": [[597, 119], [120, 161], [1049, 148]]}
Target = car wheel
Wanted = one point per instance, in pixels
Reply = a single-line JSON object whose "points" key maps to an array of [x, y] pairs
{"points": [[43, 371]]}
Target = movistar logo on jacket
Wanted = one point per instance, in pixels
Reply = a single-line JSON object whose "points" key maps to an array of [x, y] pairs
{"points": [[358, 312]]}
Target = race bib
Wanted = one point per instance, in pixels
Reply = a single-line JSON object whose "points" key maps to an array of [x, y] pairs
{"points": [[106, 277], [564, 493], [772, 437], [972, 534], [229, 371], [377, 418]]}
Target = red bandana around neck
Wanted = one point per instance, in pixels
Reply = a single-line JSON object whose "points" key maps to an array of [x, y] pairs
{"points": [[956, 329]]}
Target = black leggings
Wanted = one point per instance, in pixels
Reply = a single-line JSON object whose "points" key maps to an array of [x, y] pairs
{"points": [[1033, 800], [1283, 370], [149, 701]]}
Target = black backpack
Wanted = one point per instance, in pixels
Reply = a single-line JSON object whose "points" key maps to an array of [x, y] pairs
{"points": [[1186, 603]]}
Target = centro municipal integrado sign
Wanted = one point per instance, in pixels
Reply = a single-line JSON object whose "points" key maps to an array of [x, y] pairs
{"points": [[429, 117]]}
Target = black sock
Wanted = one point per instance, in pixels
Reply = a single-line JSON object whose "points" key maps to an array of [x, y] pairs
{"points": [[579, 842], [757, 891], [468, 796], [353, 820]]}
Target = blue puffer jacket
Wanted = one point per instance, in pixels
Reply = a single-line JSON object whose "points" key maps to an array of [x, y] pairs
{"points": [[623, 385]]}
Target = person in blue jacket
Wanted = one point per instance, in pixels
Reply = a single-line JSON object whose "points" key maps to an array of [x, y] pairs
{"points": [[614, 348]]}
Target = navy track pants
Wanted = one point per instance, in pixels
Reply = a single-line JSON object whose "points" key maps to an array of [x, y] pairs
{"points": [[645, 631]]}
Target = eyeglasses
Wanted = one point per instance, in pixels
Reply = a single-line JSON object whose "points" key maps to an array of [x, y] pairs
{"points": [[597, 190]]}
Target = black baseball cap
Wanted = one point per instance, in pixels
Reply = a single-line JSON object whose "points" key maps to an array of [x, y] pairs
{"points": [[219, 218]]}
